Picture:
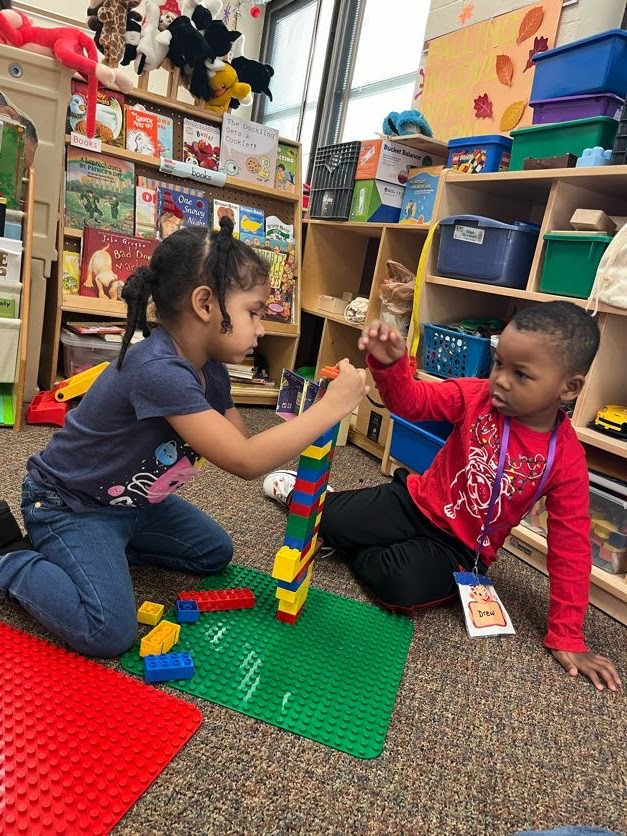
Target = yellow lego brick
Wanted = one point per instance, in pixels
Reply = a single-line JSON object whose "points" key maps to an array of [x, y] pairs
{"points": [[148, 647], [314, 452], [150, 613], [290, 595], [161, 639], [286, 563], [299, 598]]}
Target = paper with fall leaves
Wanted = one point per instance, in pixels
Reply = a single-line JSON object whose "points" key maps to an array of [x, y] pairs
{"points": [[478, 78]]}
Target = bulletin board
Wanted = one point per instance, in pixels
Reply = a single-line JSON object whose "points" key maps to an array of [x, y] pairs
{"points": [[478, 78]]}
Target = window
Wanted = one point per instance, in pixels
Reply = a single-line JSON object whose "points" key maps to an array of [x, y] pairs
{"points": [[340, 66]]}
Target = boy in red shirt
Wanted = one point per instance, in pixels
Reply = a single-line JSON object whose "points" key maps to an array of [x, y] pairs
{"points": [[405, 538]]}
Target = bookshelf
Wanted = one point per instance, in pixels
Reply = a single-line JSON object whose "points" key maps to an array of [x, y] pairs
{"points": [[280, 342]]}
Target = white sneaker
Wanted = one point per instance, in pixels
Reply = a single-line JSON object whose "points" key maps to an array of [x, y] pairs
{"points": [[280, 484]]}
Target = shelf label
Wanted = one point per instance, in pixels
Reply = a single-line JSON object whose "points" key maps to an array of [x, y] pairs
{"points": [[470, 234], [85, 142]]}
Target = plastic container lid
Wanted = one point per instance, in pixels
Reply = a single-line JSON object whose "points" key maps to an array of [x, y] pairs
{"points": [[78, 341], [480, 138], [488, 223], [601, 36], [551, 126], [577, 236], [578, 98]]}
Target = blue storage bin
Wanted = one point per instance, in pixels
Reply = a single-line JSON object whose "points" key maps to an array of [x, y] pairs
{"points": [[477, 154], [483, 250], [416, 445], [449, 353], [592, 65]]}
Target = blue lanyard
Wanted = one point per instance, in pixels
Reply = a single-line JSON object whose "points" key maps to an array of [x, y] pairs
{"points": [[496, 487]]}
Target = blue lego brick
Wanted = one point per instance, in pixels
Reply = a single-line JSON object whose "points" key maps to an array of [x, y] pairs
{"points": [[168, 666], [312, 474], [310, 500], [186, 611], [329, 435]]}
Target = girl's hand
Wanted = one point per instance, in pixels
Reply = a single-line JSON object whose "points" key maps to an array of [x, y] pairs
{"points": [[348, 389], [599, 670], [381, 341]]}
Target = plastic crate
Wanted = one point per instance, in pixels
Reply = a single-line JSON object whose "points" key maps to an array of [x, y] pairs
{"points": [[81, 353], [571, 261], [477, 154], [561, 138], [416, 445], [592, 65], [481, 249], [567, 108], [450, 353], [333, 180], [619, 149]]}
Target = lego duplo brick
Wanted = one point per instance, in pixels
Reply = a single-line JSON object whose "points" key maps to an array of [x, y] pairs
{"points": [[220, 599], [80, 742], [150, 613], [168, 667], [331, 677], [186, 611], [296, 596], [161, 639]]}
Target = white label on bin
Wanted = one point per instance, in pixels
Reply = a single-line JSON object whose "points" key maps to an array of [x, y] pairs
{"points": [[468, 233]]}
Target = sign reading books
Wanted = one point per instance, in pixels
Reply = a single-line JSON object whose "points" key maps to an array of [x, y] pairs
{"points": [[248, 150]]}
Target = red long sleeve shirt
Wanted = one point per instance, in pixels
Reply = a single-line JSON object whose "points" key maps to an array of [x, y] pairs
{"points": [[455, 491]]}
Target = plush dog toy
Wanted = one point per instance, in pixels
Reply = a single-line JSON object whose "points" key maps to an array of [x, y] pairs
{"points": [[153, 46]]}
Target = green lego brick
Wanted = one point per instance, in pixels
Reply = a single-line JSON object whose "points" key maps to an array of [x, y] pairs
{"points": [[332, 677]]}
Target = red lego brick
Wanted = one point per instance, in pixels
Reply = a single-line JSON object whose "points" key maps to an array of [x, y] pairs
{"points": [[287, 617], [306, 511], [305, 486], [80, 742], [212, 600]]}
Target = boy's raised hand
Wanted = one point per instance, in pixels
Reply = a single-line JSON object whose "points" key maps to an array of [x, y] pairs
{"points": [[381, 341], [599, 669], [348, 388]]}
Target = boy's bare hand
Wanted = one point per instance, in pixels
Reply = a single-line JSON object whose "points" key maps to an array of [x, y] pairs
{"points": [[348, 388], [381, 341], [599, 669]]}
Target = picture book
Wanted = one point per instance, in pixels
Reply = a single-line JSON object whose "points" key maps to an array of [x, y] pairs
{"points": [[252, 222], [71, 272], [99, 191], [142, 131], [176, 209], [147, 203], [285, 174], [201, 144], [223, 207], [12, 148], [107, 260], [296, 394], [165, 136], [109, 113], [248, 150], [95, 329], [280, 304], [279, 234]]}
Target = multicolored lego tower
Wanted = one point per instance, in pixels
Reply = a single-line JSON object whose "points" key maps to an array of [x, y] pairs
{"points": [[293, 564]]}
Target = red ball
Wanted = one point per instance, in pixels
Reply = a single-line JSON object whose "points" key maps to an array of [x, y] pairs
{"points": [[255, 11]]}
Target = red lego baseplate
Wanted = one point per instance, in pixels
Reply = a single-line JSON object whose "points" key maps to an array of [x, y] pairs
{"points": [[79, 742], [212, 600]]}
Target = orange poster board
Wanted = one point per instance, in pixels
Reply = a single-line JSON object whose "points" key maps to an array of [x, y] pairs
{"points": [[478, 78]]}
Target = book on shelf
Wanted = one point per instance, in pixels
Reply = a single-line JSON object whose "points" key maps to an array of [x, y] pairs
{"points": [[296, 394], [141, 130], [146, 203], [176, 209], [224, 207], [201, 144], [251, 224], [248, 150], [108, 259], [95, 329], [286, 173], [12, 150], [165, 135], [109, 113], [280, 234], [99, 192], [71, 266], [280, 304]]}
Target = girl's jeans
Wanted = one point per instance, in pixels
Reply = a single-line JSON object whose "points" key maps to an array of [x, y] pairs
{"points": [[77, 582]]}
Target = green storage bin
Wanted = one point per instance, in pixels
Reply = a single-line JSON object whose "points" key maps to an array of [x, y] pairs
{"points": [[561, 138], [571, 261]]}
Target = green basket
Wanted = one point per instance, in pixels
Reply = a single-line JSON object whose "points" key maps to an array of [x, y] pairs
{"points": [[561, 138], [571, 261]]}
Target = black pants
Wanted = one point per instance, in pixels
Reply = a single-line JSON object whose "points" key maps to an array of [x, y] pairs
{"points": [[392, 548]]}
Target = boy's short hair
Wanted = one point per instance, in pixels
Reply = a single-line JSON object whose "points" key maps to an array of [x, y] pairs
{"points": [[573, 330]]}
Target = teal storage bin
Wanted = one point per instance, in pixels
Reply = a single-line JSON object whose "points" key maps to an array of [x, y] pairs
{"points": [[571, 261], [561, 138]]}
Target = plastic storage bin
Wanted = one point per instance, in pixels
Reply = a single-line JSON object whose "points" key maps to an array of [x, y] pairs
{"points": [[592, 65], [10, 295], [80, 353], [10, 260], [561, 138], [332, 181], [449, 353], [619, 149], [476, 154], [9, 343], [567, 108], [483, 250], [416, 445], [571, 261]]}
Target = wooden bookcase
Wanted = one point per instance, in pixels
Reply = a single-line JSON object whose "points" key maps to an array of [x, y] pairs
{"points": [[280, 341], [548, 198]]}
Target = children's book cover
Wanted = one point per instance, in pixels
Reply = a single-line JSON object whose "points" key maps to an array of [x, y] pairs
{"points": [[296, 394], [71, 272], [286, 168], [280, 304], [12, 147], [252, 222], [109, 113], [99, 191], [248, 150], [176, 209], [201, 144], [142, 131], [147, 203], [279, 235], [223, 207], [165, 136], [107, 260]]}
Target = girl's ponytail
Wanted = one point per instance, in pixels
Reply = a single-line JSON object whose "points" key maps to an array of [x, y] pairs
{"points": [[136, 293], [219, 263]]}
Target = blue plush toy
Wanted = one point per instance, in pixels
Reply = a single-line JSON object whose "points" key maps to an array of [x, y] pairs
{"points": [[406, 122]]}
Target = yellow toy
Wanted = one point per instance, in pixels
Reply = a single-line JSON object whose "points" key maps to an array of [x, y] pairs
{"points": [[225, 86]]}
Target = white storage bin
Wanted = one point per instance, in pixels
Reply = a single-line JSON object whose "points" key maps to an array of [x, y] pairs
{"points": [[10, 295], [80, 353], [9, 342], [10, 260]]}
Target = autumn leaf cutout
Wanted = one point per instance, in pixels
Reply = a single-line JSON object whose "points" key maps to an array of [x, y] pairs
{"points": [[539, 45], [483, 107], [530, 23], [504, 69], [512, 115]]}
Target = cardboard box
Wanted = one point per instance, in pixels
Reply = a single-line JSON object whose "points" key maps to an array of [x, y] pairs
{"points": [[419, 196], [373, 421], [380, 159], [376, 201], [332, 304]]}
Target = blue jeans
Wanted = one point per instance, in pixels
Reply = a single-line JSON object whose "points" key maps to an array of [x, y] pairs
{"points": [[78, 585]]}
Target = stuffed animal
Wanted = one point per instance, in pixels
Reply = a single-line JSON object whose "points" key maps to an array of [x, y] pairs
{"points": [[153, 45], [131, 37], [187, 45], [224, 86], [114, 37]]}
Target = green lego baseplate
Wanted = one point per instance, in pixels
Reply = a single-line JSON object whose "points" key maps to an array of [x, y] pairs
{"points": [[332, 677]]}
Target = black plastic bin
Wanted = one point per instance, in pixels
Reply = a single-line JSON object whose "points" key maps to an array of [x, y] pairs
{"points": [[333, 180], [619, 150]]}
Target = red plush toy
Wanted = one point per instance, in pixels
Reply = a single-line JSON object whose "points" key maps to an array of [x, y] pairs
{"points": [[70, 47]]}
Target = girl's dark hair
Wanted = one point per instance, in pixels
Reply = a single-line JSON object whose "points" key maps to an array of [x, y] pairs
{"points": [[190, 257]]}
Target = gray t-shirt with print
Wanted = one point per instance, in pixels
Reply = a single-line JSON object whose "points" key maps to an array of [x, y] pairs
{"points": [[116, 447]]}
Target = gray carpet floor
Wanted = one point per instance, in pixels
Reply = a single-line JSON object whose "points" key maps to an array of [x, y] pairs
{"points": [[487, 736]]}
